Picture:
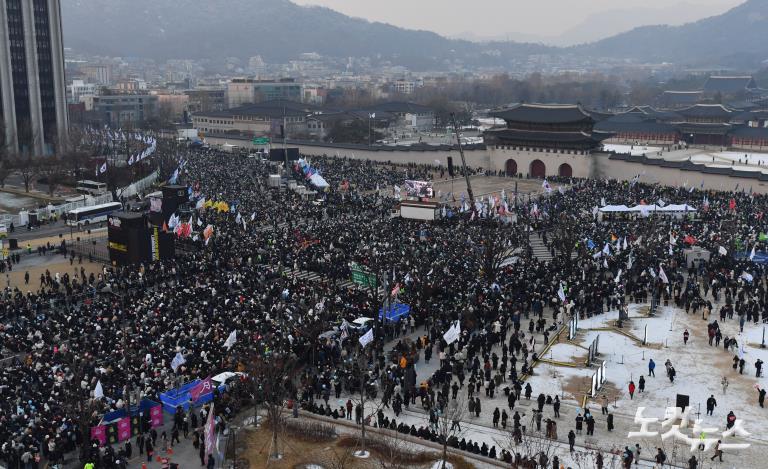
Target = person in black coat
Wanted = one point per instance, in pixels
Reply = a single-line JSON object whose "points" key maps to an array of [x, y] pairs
{"points": [[140, 443], [149, 448], [711, 404]]}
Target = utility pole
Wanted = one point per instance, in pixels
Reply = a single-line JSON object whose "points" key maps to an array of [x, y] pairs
{"points": [[464, 166]]}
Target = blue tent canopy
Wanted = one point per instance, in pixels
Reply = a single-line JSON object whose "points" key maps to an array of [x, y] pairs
{"points": [[761, 257], [394, 312], [181, 397]]}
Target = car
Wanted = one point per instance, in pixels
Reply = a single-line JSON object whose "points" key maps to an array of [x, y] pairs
{"points": [[363, 323]]}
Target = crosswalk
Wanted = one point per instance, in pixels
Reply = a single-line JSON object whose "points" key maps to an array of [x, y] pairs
{"points": [[540, 251], [316, 277]]}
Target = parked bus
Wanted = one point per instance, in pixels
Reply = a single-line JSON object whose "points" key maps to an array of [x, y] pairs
{"points": [[93, 214], [91, 187]]}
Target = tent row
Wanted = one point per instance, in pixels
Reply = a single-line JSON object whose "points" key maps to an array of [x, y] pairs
{"points": [[671, 208]]}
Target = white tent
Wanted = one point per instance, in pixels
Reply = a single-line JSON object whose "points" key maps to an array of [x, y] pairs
{"points": [[678, 208], [614, 209]]}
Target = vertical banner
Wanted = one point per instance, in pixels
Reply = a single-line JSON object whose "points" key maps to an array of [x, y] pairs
{"points": [[602, 375], [99, 433], [156, 414], [155, 244], [124, 429]]}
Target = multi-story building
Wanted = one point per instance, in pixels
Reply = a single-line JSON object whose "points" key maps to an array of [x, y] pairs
{"points": [[410, 116], [79, 88], [119, 110], [174, 103], [255, 120], [32, 85], [206, 99], [242, 91], [130, 85], [99, 74]]}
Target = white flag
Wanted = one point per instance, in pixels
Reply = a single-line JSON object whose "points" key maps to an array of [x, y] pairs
{"points": [[367, 338], [607, 249], [625, 243], [103, 168], [98, 393], [453, 333], [231, 340], [747, 276], [200, 203], [561, 293], [752, 254], [663, 275], [178, 360], [722, 251], [618, 276]]}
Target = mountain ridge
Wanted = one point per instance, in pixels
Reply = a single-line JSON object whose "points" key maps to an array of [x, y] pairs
{"points": [[279, 30]]}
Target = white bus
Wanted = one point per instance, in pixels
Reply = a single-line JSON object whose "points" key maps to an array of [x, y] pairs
{"points": [[91, 187], [93, 214]]}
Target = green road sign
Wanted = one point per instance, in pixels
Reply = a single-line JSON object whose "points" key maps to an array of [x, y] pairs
{"points": [[364, 278], [260, 141]]}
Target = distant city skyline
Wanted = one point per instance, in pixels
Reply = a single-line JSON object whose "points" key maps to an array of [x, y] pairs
{"points": [[558, 22]]}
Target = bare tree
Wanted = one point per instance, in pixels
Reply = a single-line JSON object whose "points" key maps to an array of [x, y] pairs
{"points": [[449, 424], [74, 153], [5, 156], [77, 402], [274, 374], [532, 445], [338, 458], [52, 169], [565, 236], [363, 397], [498, 243], [27, 168], [394, 451]]}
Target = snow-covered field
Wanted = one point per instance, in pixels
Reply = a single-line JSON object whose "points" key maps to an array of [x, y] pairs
{"points": [[700, 368], [634, 150], [739, 160]]}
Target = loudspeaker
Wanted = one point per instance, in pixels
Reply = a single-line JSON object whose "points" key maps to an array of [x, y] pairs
{"points": [[127, 239], [278, 154], [131, 240], [450, 166], [175, 200], [683, 401]]}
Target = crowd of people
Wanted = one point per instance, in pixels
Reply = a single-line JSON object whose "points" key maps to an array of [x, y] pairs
{"points": [[122, 328]]}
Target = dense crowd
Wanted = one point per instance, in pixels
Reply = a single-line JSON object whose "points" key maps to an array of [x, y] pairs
{"points": [[123, 327]]}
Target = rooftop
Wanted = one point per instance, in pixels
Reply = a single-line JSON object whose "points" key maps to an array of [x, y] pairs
{"points": [[544, 113], [729, 84], [706, 110]]}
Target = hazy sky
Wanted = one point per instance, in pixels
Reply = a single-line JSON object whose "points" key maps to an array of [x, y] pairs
{"points": [[540, 18]]}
